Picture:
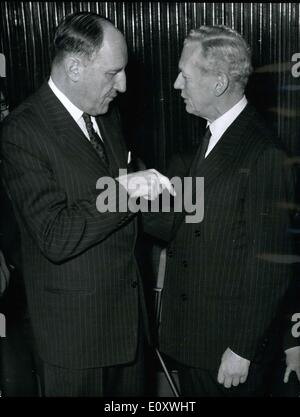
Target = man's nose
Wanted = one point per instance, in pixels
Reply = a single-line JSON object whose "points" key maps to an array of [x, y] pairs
{"points": [[120, 84], [178, 85]]}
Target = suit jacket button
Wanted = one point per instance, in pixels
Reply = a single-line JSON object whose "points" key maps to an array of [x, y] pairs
{"points": [[197, 233], [134, 284], [183, 297], [185, 264]]}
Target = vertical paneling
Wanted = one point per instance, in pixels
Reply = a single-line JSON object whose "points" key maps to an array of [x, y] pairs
{"points": [[155, 33]]}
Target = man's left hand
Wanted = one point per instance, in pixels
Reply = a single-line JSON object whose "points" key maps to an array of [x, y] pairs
{"points": [[233, 369], [292, 362], [147, 184]]}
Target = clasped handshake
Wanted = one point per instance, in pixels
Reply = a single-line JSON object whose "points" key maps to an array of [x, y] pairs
{"points": [[147, 184]]}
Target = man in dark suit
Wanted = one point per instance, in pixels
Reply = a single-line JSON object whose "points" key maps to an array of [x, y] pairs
{"points": [[226, 277], [83, 287]]}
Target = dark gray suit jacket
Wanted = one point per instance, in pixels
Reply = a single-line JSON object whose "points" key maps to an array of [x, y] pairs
{"points": [[223, 286], [79, 266]]}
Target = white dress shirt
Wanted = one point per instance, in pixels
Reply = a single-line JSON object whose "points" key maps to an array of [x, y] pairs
{"points": [[74, 111], [218, 126]]}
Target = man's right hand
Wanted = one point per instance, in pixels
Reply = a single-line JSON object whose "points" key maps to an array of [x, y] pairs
{"points": [[148, 184]]}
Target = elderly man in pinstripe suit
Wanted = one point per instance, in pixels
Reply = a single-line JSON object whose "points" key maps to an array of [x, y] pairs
{"points": [[225, 283], [83, 287]]}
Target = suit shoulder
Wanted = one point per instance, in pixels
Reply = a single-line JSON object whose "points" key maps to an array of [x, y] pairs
{"points": [[261, 139], [261, 133], [24, 110], [24, 119], [268, 155]]}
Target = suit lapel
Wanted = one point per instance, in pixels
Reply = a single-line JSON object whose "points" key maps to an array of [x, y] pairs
{"points": [[229, 147], [66, 132], [233, 142], [111, 135]]}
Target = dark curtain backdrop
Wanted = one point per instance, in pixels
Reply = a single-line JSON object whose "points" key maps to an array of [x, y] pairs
{"points": [[155, 120]]}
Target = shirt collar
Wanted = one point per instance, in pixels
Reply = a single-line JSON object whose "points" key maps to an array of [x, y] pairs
{"points": [[218, 126], [74, 111]]}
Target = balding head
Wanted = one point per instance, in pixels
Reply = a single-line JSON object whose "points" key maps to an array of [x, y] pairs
{"points": [[90, 60], [82, 34]]}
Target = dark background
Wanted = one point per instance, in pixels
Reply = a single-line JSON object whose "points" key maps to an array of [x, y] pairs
{"points": [[155, 120]]}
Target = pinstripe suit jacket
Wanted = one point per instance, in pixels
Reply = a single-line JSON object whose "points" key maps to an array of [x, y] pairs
{"points": [[221, 287], [79, 266]]}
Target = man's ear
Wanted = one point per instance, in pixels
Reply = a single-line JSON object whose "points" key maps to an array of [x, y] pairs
{"points": [[72, 67], [221, 84]]}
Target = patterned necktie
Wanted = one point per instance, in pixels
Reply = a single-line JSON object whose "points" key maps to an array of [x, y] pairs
{"points": [[204, 144], [95, 139]]}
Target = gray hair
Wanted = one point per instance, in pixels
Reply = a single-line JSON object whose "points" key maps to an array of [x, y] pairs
{"points": [[225, 50]]}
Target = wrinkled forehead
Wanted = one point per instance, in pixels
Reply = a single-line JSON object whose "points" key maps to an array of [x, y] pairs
{"points": [[191, 54]]}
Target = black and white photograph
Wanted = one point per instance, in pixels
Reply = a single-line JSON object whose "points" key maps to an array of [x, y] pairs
{"points": [[149, 202]]}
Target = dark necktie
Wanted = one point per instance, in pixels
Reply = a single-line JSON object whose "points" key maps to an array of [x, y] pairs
{"points": [[204, 144], [95, 139]]}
